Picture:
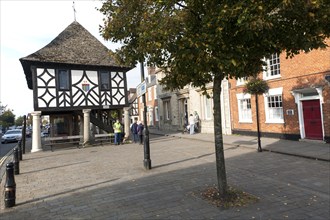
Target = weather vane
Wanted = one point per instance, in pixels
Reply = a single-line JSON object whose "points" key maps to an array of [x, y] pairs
{"points": [[74, 11]]}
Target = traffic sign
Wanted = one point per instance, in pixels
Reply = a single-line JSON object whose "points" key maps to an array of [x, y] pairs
{"points": [[141, 89]]}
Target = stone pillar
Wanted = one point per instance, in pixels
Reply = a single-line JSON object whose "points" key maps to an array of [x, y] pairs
{"points": [[127, 122], [86, 127], [81, 129], [36, 133]]}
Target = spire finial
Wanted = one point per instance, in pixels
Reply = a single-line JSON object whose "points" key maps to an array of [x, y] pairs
{"points": [[74, 11]]}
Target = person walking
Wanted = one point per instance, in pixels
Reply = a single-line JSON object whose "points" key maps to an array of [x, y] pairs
{"points": [[191, 124], [117, 130], [122, 134], [134, 132], [196, 118], [140, 132]]}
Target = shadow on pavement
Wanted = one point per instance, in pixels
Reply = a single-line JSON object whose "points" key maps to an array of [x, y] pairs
{"points": [[288, 187]]}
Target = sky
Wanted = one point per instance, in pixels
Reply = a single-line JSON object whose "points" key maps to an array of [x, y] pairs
{"points": [[27, 26]]}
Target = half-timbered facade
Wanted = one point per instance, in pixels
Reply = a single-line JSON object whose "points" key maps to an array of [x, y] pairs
{"points": [[74, 78], [73, 88], [134, 106]]}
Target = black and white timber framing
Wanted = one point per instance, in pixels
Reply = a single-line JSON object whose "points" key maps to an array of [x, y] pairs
{"points": [[84, 59], [76, 81], [85, 90]]}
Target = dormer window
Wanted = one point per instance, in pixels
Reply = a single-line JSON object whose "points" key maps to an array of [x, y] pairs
{"points": [[272, 68]]}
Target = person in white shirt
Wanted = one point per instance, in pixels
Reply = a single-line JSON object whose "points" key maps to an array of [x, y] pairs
{"points": [[196, 117], [191, 124]]}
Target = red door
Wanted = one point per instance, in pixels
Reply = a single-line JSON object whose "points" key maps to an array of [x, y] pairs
{"points": [[312, 119]]}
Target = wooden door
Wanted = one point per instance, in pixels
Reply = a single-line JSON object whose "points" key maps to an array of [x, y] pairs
{"points": [[312, 119]]}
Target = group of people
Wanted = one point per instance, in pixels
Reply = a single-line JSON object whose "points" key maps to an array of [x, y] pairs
{"points": [[137, 132], [137, 129]]}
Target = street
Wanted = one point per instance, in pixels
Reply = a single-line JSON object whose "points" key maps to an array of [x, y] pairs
{"points": [[5, 148], [109, 182]]}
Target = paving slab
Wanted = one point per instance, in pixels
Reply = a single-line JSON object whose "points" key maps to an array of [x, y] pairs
{"points": [[110, 182]]}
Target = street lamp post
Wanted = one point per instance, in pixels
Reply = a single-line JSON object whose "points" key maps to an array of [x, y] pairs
{"points": [[146, 145]]}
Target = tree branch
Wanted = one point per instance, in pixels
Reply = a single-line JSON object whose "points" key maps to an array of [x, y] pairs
{"points": [[192, 11]]}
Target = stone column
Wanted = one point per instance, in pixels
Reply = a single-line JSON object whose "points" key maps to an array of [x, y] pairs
{"points": [[127, 122], [36, 133], [86, 127]]}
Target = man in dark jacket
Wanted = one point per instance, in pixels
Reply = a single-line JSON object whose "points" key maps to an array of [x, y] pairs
{"points": [[140, 132], [134, 132]]}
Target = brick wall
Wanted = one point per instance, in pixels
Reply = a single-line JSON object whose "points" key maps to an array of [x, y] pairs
{"points": [[302, 71]]}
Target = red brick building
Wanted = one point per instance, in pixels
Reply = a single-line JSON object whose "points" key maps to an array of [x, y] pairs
{"points": [[297, 105]]}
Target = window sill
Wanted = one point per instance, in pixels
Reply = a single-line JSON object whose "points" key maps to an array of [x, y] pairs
{"points": [[272, 77], [246, 122], [275, 122]]}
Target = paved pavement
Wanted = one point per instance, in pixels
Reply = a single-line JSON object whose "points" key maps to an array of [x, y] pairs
{"points": [[110, 182], [309, 149]]}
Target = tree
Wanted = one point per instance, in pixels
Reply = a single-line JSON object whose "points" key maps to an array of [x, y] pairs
{"points": [[256, 87], [2, 109], [196, 42], [7, 119], [19, 121]]}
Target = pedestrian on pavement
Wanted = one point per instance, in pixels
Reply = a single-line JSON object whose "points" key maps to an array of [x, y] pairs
{"points": [[196, 118], [191, 124], [140, 132], [117, 127], [134, 131]]}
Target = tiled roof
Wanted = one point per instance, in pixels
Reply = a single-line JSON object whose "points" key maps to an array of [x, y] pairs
{"points": [[75, 45]]}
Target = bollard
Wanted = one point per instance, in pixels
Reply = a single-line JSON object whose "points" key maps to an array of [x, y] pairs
{"points": [[24, 134], [10, 186], [20, 152], [16, 161]]}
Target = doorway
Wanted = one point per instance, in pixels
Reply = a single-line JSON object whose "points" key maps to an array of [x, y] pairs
{"points": [[312, 119], [183, 112]]}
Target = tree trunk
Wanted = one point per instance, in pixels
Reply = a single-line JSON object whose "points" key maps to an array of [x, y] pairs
{"points": [[218, 138], [258, 126]]}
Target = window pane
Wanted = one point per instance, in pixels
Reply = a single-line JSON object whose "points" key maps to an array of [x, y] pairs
{"points": [[105, 80], [275, 110], [273, 66], [63, 79], [167, 109], [245, 113], [208, 108]]}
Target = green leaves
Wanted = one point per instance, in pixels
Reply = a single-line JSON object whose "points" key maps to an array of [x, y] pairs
{"points": [[7, 119], [256, 86], [195, 39]]}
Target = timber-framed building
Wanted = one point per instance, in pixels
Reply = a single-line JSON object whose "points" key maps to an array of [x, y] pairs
{"points": [[75, 81]]}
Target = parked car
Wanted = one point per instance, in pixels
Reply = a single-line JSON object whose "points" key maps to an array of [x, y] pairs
{"points": [[11, 136]]}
